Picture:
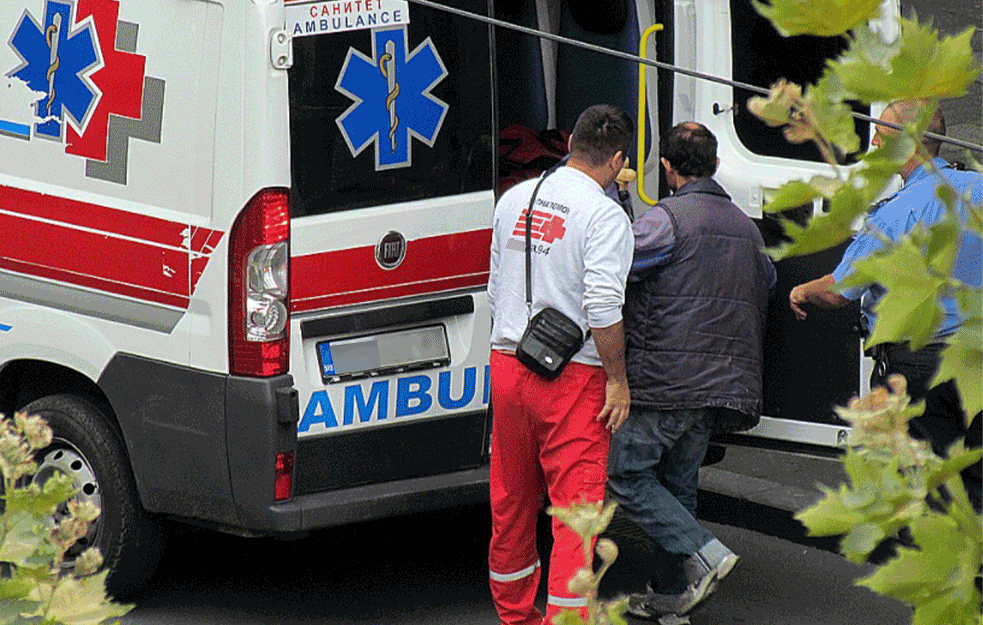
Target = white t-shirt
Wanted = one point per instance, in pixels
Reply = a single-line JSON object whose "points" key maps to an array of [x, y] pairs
{"points": [[581, 251]]}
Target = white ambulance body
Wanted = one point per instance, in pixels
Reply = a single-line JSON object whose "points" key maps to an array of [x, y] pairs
{"points": [[244, 244]]}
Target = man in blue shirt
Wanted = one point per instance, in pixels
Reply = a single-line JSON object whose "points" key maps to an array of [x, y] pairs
{"points": [[943, 421]]}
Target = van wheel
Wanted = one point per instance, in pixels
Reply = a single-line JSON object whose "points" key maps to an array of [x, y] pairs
{"points": [[85, 448]]}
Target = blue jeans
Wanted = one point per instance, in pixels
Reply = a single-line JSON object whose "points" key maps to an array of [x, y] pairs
{"points": [[653, 469]]}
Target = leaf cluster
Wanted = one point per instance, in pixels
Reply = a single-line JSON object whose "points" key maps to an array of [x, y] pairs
{"points": [[917, 270], [894, 483], [588, 520], [34, 587]]}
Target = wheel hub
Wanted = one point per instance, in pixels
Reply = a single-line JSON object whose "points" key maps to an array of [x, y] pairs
{"points": [[62, 457]]}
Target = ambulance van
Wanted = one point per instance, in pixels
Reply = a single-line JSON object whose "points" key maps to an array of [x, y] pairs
{"points": [[244, 243]]}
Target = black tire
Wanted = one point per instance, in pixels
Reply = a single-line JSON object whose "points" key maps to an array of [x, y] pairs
{"points": [[88, 449]]}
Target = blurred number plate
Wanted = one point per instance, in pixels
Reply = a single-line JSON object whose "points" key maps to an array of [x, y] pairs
{"points": [[378, 354]]}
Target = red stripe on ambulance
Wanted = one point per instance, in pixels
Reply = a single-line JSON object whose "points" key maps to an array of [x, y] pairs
{"points": [[101, 248], [352, 276], [93, 216]]}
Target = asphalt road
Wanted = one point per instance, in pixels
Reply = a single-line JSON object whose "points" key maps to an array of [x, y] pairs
{"points": [[431, 570]]}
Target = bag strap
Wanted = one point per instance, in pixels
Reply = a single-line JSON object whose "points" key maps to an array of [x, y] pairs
{"points": [[532, 201]]}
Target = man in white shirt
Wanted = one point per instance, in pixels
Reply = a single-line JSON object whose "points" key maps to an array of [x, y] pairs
{"points": [[552, 436]]}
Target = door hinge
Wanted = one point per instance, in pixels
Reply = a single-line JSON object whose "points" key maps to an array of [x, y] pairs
{"points": [[281, 50]]}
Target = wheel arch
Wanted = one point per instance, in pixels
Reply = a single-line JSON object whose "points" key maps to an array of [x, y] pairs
{"points": [[25, 380], [87, 447]]}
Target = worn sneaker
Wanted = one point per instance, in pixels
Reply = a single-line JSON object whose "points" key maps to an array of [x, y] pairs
{"points": [[652, 603], [696, 567], [639, 606], [726, 565]]}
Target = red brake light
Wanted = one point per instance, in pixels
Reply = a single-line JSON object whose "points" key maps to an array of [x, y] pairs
{"points": [[259, 324], [284, 480]]}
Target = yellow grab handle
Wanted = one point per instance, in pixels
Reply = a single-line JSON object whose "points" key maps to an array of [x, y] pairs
{"points": [[640, 163]]}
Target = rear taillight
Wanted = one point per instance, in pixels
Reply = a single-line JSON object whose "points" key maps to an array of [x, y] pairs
{"points": [[284, 476], [259, 279]]}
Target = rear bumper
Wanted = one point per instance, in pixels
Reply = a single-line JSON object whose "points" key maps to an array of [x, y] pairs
{"points": [[374, 501], [203, 447]]}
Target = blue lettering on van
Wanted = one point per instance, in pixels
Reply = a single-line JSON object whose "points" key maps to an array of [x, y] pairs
{"points": [[377, 403], [414, 396], [318, 410], [444, 389]]}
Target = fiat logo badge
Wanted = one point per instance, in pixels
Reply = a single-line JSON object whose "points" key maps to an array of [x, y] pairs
{"points": [[390, 250]]}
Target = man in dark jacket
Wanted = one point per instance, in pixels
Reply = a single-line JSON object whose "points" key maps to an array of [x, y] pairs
{"points": [[694, 323]]}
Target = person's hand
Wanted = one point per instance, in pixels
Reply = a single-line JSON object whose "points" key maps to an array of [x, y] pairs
{"points": [[625, 176], [617, 401], [796, 298]]}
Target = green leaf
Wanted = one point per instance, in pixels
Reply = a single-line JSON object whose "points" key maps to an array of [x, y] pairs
{"points": [[962, 512], [861, 540], [910, 309], [41, 502], [81, 602], [974, 222], [827, 229], [10, 611], [894, 489], [797, 193], [880, 165], [959, 458], [922, 66], [860, 468], [832, 117], [860, 497], [961, 361], [615, 611], [16, 587], [970, 301], [568, 617], [22, 537], [847, 199], [950, 607], [830, 516], [943, 245], [916, 575], [826, 19]]}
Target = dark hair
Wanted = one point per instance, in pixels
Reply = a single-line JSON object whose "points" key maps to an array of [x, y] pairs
{"points": [[908, 112], [601, 131], [691, 149]]}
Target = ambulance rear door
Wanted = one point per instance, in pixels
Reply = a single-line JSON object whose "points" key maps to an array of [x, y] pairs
{"points": [[391, 203], [813, 365]]}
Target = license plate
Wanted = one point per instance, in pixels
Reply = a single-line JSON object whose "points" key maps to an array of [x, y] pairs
{"points": [[384, 353]]}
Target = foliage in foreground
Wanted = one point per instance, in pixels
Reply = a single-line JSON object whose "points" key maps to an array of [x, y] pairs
{"points": [[918, 270], [895, 482], [588, 520], [35, 587]]}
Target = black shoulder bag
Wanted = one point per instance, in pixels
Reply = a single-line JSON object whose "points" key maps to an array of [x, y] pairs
{"points": [[551, 338]]}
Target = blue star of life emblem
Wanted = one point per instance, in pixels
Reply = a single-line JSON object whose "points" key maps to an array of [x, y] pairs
{"points": [[58, 59], [392, 99]]}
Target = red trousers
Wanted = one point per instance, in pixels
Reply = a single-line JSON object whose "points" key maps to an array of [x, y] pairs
{"points": [[545, 439]]}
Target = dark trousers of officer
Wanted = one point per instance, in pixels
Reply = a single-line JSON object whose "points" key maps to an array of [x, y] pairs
{"points": [[944, 420]]}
